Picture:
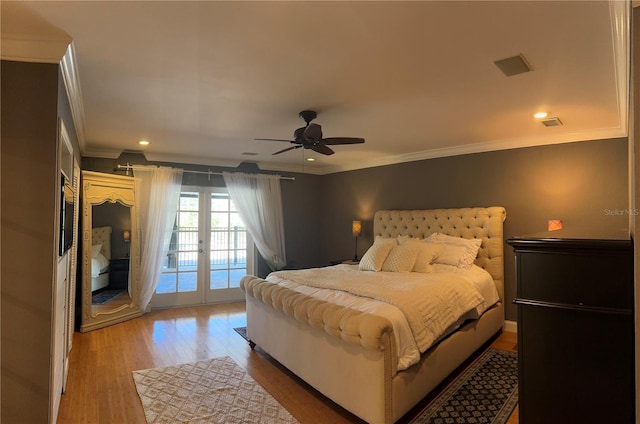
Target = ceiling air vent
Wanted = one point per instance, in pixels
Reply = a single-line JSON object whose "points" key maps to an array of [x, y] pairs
{"points": [[551, 122], [250, 153], [513, 65]]}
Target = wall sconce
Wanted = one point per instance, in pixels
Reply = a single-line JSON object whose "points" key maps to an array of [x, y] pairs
{"points": [[126, 235], [356, 228]]}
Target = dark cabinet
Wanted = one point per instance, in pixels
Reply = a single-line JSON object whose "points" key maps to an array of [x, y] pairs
{"points": [[119, 273], [575, 328]]}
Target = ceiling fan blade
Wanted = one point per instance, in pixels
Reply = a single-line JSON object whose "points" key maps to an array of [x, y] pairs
{"points": [[287, 149], [342, 140], [274, 139], [321, 148], [313, 132]]}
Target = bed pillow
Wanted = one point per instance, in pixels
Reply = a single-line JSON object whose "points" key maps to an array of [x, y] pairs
{"points": [[401, 258], [427, 253], [466, 250], [95, 250], [375, 256], [99, 264]]}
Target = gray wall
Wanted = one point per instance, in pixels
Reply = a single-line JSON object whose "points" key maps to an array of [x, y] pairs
{"points": [[581, 183], [118, 217], [585, 184]]}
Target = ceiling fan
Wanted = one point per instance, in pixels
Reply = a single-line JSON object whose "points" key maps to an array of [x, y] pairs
{"points": [[310, 137]]}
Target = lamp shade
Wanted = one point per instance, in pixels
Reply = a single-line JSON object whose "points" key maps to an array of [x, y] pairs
{"points": [[356, 228], [126, 235], [554, 225]]}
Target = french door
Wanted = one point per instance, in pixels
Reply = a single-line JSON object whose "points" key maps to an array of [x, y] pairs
{"points": [[210, 251]]}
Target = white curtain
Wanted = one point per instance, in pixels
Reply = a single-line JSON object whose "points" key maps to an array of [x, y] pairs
{"points": [[258, 200], [157, 191]]}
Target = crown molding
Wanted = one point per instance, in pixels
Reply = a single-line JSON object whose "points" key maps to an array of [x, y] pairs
{"points": [[29, 48], [491, 146], [71, 77], [620, 16]]}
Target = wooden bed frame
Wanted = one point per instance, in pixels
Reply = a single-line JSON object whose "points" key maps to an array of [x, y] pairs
{"points": [[352, 360]]}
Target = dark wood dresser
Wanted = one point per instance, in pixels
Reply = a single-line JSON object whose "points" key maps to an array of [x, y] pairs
{"points": [[575, 327]]}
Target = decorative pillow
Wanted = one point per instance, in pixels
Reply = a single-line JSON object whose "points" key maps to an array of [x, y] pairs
{"points": [[95, 250], [452, 255], [427, 253], [402, 258], [375, 256], [466, 249]]}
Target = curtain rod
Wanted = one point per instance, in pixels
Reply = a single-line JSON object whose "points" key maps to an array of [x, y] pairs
{"points": [[128, 168]]}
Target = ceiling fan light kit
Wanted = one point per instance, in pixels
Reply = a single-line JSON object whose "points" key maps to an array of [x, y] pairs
{"points": [[310, 137]]}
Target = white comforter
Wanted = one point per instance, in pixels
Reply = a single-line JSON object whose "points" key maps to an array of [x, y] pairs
{"points": [[481, 294]]}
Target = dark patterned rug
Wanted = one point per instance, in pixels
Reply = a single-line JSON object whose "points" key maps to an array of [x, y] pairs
{"points": [[242, 331], [105, 296], [485, 392]]}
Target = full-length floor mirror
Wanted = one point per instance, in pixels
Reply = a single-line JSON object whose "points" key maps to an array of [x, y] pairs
{"points": [[110, 251]]}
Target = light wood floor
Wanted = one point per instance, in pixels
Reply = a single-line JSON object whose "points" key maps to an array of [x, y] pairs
{"points": [[100, 388]]}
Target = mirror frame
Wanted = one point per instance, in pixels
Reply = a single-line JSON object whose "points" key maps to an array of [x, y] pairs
{"points": [[99, 188]]}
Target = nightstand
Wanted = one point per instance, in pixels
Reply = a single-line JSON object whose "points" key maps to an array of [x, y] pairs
{"points": [[119, 273]]}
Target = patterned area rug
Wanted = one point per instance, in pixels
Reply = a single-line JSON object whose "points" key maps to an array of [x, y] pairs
{"points": [[485, 392], [212, 391], [105, 296]]}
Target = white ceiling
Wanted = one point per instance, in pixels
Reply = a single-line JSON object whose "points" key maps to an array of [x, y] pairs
{"points": [[202, 80]]}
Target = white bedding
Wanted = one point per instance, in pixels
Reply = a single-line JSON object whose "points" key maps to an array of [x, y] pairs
{"points": [[480, 283], [99, 265]]}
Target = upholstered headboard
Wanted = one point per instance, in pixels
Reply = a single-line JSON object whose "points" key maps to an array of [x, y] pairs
{"points": [[482, 223], [102, 235]]}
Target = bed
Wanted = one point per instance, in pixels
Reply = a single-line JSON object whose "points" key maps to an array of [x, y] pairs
{"points": [[351, 354], [100, 257]]}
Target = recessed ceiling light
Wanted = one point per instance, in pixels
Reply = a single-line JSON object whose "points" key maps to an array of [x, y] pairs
{"points": [[143, 142], [311, 159], [540, 115]]}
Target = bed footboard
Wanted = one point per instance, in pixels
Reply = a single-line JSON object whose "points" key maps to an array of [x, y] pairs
{"points": [[345, 354]]}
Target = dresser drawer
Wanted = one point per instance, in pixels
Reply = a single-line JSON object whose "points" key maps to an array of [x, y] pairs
{"points": [[583, 279]]}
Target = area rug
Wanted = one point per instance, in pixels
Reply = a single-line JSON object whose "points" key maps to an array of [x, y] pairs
{"points": [[485, 392], [211, 391], [242, 331], [105, 296]]}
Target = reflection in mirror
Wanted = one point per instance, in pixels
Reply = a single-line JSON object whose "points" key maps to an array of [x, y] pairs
{"points": [[110, 238], [110, 251]]}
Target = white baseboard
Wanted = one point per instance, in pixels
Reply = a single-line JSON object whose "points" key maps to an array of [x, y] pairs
{"points": [[510, 326]]}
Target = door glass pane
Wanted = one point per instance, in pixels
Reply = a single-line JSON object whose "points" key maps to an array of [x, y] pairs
{"points": [[179, 269], [228, 250], [219, 279]]}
